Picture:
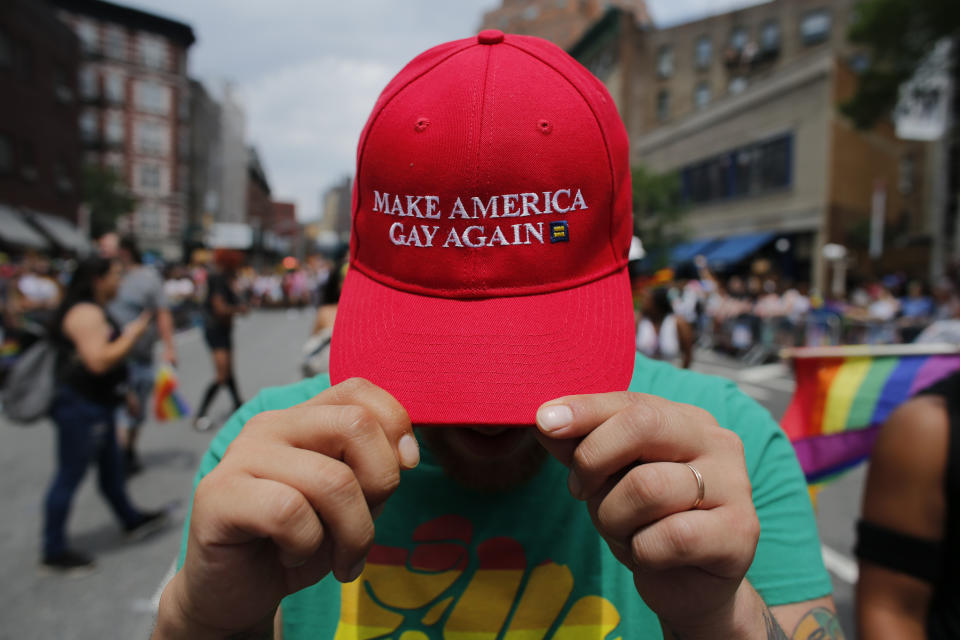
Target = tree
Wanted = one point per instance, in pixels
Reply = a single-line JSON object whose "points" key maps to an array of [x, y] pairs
{"points": [[658, 211], [107, 196], [899, 34]]}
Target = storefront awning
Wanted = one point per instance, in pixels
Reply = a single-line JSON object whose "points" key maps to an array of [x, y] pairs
{"points": [[14, 230], [62, 232], [736, 248], [687, 251]]}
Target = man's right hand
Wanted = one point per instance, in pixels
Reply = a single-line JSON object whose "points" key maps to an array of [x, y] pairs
{"points": [[293, 499]]}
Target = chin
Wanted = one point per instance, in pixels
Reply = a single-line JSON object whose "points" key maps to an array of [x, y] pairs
{"points": [[489, 460]]}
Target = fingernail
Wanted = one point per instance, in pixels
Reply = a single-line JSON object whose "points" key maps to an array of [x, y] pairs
{"points": [[357, 570], [409, 451], [573, 483], [553, 417]]}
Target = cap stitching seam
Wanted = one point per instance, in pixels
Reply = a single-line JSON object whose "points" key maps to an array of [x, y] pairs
{"points": [[603, 134], [355, 237]]}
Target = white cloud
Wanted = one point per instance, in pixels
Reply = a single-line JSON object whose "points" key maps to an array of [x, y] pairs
{"points": [[670, 12]]}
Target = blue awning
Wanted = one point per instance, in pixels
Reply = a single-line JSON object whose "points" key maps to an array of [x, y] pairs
{"points": [[687, 251], [736, 248]]}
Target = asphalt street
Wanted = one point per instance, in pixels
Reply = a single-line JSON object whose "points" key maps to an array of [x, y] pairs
{"points": [[119, 600]]}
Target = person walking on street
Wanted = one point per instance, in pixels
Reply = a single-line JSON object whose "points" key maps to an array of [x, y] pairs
{"points": [[140, 290], [91, 373], [222, 304]]}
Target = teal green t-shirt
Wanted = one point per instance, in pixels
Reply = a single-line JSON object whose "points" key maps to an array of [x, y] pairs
{"points": [[456, 564]]}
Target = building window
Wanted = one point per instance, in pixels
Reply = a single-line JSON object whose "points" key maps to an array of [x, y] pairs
{"points": [[89, 38], [151, 220], [88, 83], [61, 86], [62, 179], [665, 61], [28, 162], [751, 170], [152, 97], [113, 85], [663, 105], [153, 52], [89, 127], [531, 13], [815, 27], [738, 39], [908, 174], [701, 95], [6, 51], [703, 52], [114, 162], [115, 43], [114, 129], [770, 37], [148, 177], [6, 154], [737, 85], [153, 138]]}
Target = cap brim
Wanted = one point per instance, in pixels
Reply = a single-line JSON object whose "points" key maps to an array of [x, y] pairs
{"points": [[488, 361]]}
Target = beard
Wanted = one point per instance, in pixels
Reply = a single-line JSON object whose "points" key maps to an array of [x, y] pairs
{"points": [[517, 466]]}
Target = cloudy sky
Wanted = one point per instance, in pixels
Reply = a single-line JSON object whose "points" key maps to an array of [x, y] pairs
{"points": [[308, 73]]}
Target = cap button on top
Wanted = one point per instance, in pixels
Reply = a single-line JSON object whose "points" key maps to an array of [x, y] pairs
{"points": [[490, 36]]}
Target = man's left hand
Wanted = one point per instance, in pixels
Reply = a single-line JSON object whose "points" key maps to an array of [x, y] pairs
{"points": [[630, 458]]}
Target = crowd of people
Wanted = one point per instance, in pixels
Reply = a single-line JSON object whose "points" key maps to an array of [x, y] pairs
{"points": [[754, 316]]}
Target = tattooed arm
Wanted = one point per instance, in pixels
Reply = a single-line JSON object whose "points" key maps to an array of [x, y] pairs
{"points": [[809, 620]]}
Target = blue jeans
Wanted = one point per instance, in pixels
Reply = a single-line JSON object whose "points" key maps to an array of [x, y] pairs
{"points": [[139, 382], [85, 432]]}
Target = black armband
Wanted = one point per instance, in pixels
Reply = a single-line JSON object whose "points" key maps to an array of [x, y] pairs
{"points": [[899, 552]]}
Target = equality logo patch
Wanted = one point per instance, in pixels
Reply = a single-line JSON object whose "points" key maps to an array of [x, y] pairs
{"points": [[559, 231]]}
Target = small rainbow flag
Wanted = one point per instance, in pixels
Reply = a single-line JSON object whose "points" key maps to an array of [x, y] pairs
{"points": [[168, 402], [844, 395]]}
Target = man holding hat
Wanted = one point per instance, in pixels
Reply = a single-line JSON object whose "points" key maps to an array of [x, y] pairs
{"points": [[566, 489]]}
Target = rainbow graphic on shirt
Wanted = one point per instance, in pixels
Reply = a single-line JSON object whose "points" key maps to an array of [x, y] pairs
{"points": [[844, 395], [168, 402], [446, 587]]}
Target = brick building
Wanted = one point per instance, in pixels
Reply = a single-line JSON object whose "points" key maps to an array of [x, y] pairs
{"points": [[259, 212], [562, 22], [39, 144], [135, 110], [744, 107], [285, 230]]}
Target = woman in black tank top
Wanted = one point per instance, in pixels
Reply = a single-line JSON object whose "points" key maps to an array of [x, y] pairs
{"points": [[90, 375], [908, 541]]}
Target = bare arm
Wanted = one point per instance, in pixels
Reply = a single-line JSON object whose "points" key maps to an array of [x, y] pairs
{"points": [[87, 327], [808, 620], [222, 309], [325, 318], [685, 337], [165, 328], [904, 493]]}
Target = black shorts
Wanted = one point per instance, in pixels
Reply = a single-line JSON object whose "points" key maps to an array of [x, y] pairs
{"points": [[218, 338]]}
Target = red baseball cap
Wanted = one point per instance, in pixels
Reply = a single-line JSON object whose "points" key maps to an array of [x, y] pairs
{"points": [[490, 234]]}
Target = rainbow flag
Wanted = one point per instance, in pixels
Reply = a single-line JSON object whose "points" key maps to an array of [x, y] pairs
{"points": [[844, 395], [168, 402]]}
